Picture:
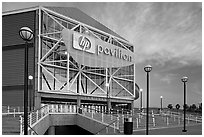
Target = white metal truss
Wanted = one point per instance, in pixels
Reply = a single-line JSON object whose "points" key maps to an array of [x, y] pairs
{"points": [[79, 71], [123, 87], [50, 50], [94, 83]]}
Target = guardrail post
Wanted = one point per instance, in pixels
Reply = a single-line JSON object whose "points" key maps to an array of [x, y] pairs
{"points": [[8, 109], [92, 114], [48, 109], [36, 115], [72, 108], [114, 127], [41, 112], [118, 122], [30, 119], [21, 126], [69, 108], [111, 115], [66, 108], [61, 109], [14, 111], [136, 122], [196, 119], [167, 120], [102, 118], [153, 120]]}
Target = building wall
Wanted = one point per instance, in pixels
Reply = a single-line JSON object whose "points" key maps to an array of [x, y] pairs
{"points": [[13, 57]]}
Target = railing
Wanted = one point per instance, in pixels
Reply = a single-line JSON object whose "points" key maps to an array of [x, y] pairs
{"points": [[34, 117], [189, 117], [114, 119], [109, 118], [37, 115], [109, 125], [9, 110]]}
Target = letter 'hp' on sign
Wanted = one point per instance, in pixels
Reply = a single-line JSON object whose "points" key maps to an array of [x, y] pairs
{"points": [[84, 43]]}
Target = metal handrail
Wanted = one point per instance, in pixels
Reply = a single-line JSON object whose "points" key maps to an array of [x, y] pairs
{"points": [[38, 109], [107, 126], [32, 129]]}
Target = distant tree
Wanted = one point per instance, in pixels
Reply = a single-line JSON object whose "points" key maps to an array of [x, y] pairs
{"points": [[187, 107], [200, 106], [193, 107], [170, 106], [177, 106]]}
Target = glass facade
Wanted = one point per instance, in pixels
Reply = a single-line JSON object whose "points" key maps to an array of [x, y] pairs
{"points": [[60, 72]]}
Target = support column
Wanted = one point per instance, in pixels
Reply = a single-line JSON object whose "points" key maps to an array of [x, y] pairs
{"points": [[67, 71], [78, 101], [79, 90], [132, 107], [108, 90], [37, 100], [109, 104], [51, 130]]}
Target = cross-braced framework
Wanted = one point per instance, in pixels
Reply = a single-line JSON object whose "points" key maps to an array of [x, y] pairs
{"points": [[60, 73]]}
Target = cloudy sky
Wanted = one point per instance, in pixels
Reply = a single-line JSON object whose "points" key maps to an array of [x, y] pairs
{"points": [[167, 36]]}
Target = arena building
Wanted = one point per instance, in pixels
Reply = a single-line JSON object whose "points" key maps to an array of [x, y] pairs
{"points": [[72, 58]]}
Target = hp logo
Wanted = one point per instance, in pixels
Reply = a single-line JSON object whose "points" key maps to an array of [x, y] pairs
{"points": [[84, 43]]}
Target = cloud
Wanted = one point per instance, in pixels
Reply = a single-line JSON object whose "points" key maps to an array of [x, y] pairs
{"points": [[168, 78], [159, 31]]}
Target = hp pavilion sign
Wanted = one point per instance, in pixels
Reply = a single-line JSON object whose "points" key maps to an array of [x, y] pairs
{"points": [[93, 52], [84, 43]]}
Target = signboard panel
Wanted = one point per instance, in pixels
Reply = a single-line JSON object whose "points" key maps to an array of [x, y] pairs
{"points": [[89, 51]]}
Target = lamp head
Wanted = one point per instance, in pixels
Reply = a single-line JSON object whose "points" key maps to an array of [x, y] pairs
{"points": [[184, 79], [161, 96], [26, 33], [30, 77], [148, 68]]}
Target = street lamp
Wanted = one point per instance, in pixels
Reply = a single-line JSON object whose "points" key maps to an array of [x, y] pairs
{"points": [[141, 99], [30, 77], [147, 69], [184, 80], [108, 101], [161, 97], [27, 35]]}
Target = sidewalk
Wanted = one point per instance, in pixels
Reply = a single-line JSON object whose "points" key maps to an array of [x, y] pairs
{"points": [[191, 130]]}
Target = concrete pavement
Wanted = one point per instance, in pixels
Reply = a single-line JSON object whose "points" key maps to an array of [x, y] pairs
{"points": [[191, 130]]}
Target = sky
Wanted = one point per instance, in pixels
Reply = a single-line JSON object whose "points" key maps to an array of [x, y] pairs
{"points": [[168, 36]]}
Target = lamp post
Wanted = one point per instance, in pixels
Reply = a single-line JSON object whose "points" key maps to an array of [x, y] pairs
{"points": [[161, 97], [141, 99], [184, 80], [30, 77], [147, 69], [108, 101], [27, 35]]}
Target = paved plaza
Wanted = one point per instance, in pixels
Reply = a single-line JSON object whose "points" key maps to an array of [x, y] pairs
{"points": [[191, 130]]}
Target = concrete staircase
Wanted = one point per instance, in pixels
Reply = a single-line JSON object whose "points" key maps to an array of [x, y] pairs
{"points": [[10, 125]]}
